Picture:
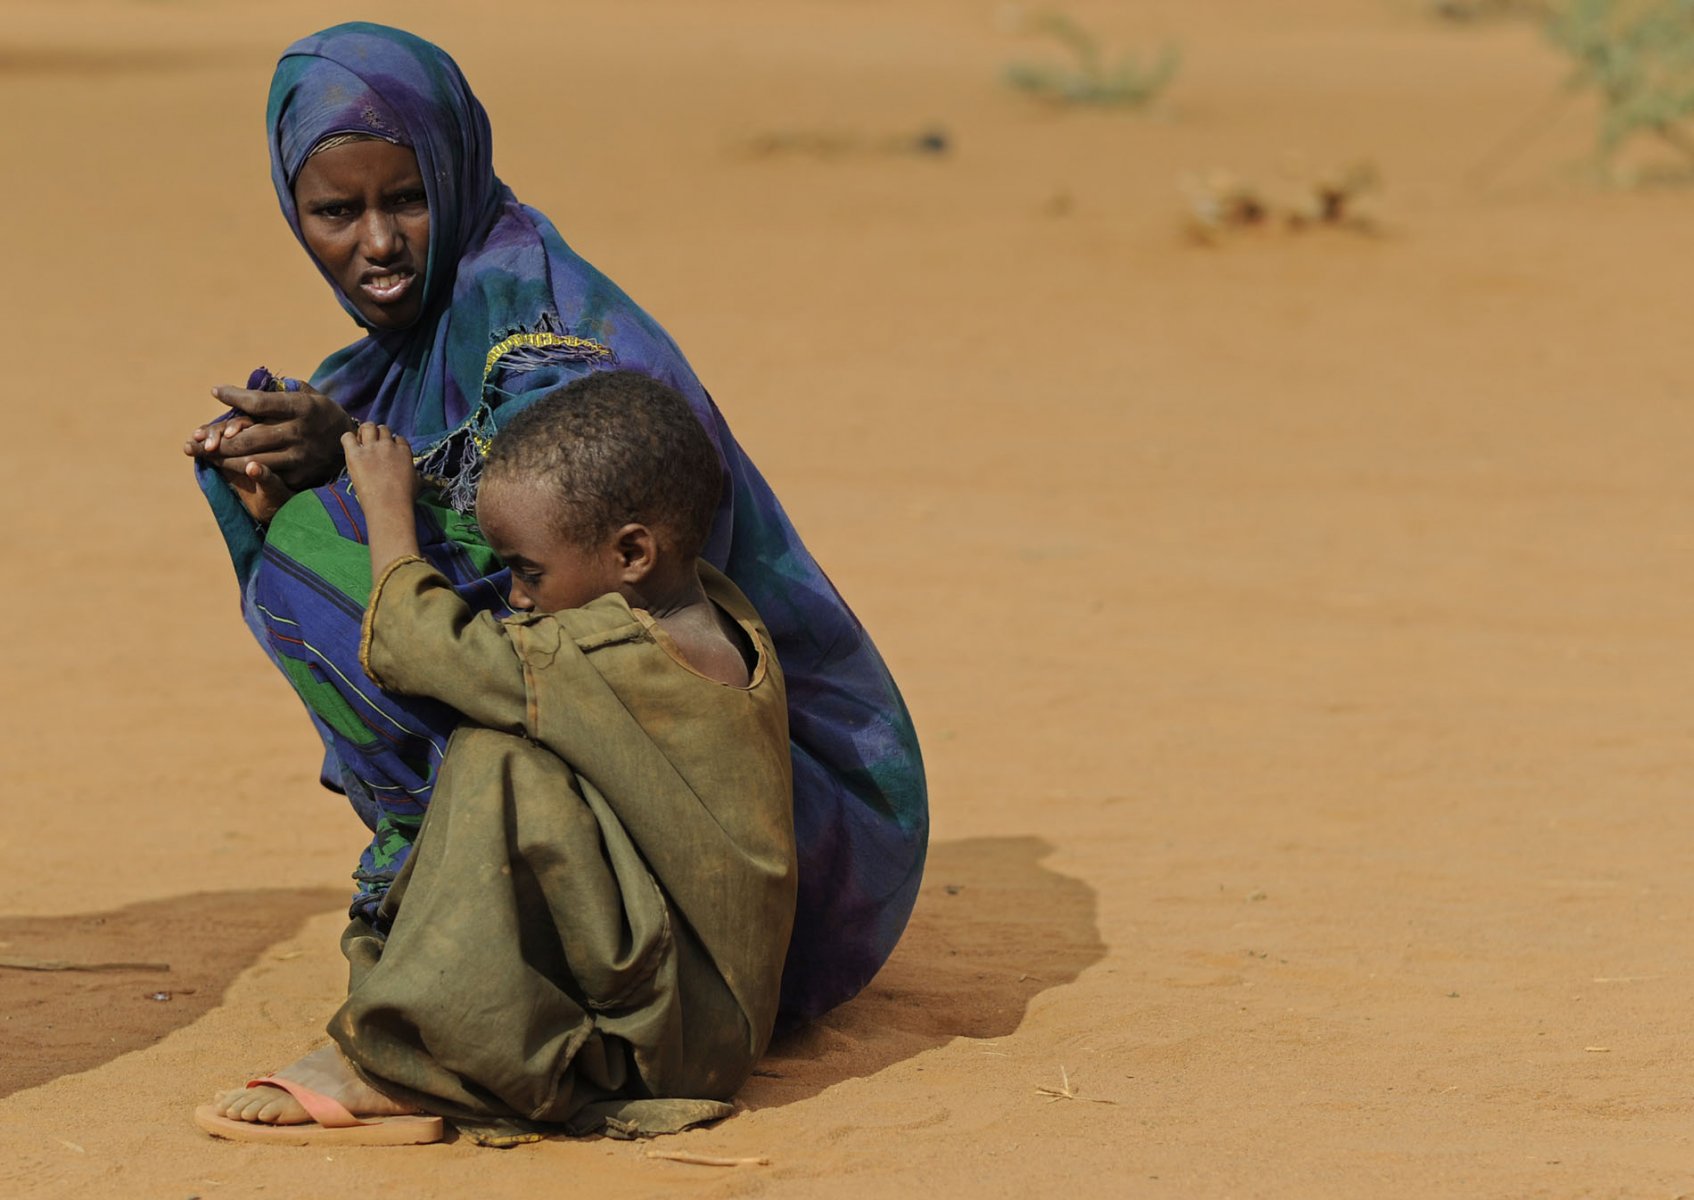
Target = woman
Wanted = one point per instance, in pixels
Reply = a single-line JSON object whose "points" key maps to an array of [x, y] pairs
{"points": [[473, 305]]}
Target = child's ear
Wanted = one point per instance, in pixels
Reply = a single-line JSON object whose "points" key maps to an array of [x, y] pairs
{"points": [[638, 551]]}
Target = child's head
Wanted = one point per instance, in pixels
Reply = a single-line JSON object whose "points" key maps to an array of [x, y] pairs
{"points": [[607, 485]]}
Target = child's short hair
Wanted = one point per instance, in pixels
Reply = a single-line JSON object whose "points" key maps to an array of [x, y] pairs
{"points": [[616, 447]]}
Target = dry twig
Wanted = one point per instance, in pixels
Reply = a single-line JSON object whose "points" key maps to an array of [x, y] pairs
{"points": [[55, 964], [1221, 203], [707, 1160]]}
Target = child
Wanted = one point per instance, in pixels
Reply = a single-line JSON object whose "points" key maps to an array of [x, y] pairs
{"points": [[599, 903]]}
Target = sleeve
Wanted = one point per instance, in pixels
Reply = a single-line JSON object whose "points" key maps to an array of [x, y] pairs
{"points": [[420, 639]]}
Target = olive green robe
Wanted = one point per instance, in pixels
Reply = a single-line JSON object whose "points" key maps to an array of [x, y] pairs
{"points": [[600, 899]]}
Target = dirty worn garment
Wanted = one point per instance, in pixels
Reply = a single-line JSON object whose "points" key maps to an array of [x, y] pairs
{"points": [[599, 903]]}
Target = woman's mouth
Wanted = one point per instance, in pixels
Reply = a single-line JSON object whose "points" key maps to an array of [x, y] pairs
{"points": [[389, 287]]}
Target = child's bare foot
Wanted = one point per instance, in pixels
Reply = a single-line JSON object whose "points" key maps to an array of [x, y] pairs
{"points": [[323, 1071]]}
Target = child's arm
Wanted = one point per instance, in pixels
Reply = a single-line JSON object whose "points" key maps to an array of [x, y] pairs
{"points": [[419, 637], [380, 466]]}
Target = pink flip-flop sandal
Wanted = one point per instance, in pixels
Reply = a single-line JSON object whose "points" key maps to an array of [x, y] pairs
{"points": [[331, 1124]]}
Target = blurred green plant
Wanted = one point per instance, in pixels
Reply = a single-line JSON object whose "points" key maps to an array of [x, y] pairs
{"points": [[1638, 56], [1488, 10], [1130, 81]]}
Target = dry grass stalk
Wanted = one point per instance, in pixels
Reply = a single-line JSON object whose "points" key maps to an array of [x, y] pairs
{"points": [[1066, 1092], [830, 144]]}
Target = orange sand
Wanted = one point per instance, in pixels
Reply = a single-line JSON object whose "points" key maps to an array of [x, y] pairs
{"points": [[1297, 627]]}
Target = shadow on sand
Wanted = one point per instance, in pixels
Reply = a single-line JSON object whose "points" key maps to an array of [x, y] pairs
{"points": [[993, 928], [55, 1023]]}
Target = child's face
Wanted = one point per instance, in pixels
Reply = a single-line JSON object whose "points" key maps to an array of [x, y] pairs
{"points": [[549, 571]]}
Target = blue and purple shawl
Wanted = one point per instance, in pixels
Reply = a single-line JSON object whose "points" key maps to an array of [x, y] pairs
{"points": [[510, 313]]}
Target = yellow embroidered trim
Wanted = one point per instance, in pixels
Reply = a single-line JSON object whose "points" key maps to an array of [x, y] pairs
{"points": [[539, 341], [370, 611], [587, 348]]}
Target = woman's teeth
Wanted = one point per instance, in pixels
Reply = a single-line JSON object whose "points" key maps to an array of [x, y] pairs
{"points": [[384, 288]]}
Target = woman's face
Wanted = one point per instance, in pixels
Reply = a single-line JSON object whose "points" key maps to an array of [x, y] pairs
{"points": [[365, 218]]}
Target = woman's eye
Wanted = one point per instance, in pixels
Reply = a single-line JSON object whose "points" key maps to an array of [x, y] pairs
{"points": [[333, 212]]}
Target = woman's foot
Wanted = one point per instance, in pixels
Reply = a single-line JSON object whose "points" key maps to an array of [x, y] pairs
{"points": [[324, 1071]]}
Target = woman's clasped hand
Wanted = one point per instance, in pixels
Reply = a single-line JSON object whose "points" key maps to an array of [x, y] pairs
{"points": [[273, 444]]}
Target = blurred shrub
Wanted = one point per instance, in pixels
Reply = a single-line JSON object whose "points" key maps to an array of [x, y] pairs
{"points": [[1484, 10], [1638, 56], [1130, 81]]}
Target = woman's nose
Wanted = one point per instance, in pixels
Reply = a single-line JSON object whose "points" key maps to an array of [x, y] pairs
{"points": [[380, 238]]}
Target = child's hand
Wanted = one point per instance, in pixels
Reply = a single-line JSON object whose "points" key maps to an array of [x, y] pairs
{"points": [[205, 441], [258, 488], [380, 465]]}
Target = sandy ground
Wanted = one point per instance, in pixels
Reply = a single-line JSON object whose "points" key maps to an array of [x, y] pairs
{"points": [[1297, 627]]}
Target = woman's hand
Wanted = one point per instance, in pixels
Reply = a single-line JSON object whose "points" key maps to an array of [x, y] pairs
{"points": [[294, 436], [380, 466]]}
